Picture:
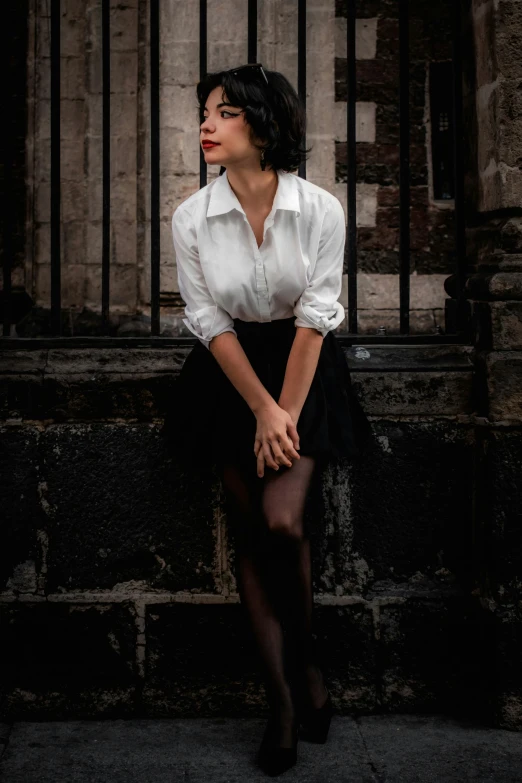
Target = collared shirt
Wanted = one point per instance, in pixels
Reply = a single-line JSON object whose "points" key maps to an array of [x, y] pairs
{"points": [[223, 274]]}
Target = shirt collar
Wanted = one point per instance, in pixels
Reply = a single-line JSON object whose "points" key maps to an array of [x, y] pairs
{"points": [[223, 199]]}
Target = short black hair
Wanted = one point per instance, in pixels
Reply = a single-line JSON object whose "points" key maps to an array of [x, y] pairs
{"points": [[274, 112]]}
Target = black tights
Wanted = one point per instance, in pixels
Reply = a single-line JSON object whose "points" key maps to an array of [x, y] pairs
{"points": [[274, 577]]}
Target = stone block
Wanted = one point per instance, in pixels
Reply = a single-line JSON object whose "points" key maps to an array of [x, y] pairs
{"points": [[124, 72], [123, 253], [42, 202], [500, 322], [123, 283], [73, 200], [483, 28], [72, 77], [431, 656], [179, 24], [72, 31], [508, 22], [365, 38], [74, 233], [511, 235], [179, 107], [72, 119], [51, 673], [503, 534], [124, 198], [509, 131], [504, 384], [72, 283], [348, 650], [23, 503], [173, 142], [176, 188], [499, 110], [222, 55], [168, 278], [376, 291], [124, 27], [399, 515], [72, 154], [42, 292], [320, 38], [364, 121], [227, 22], [124, 110], [122, 286], [117, 512], [179, 61], [366, 201], [184, 677], [505, 681], [427, 393], [94, 239]]}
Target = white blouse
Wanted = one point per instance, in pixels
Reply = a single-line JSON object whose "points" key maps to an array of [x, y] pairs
{"points": [[223, 274]]}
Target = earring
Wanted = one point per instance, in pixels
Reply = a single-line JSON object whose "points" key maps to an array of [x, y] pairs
{"points": [[263, 163]]}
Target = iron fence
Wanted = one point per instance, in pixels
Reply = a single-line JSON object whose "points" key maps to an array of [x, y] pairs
{"points": [[456, 314]]}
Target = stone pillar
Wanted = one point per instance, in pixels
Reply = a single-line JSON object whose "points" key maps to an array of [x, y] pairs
{"points": [[494, 289]]}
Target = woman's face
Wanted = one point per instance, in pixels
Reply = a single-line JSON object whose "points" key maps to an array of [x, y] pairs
{"points": [[226, 125]]}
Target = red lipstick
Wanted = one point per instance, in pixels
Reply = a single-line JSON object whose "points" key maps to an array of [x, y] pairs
{"points": [[209, 144]]}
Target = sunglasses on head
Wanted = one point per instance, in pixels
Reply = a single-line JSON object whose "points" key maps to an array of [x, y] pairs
{"points": [[254, 69]]}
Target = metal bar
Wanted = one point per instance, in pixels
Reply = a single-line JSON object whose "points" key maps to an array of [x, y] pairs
{"points": [[252, 31], [202, 72], [460, 226], [301, 65], [351, 166], [106, 164], [56, 303], [34, 343], [154, 170], [8, 211], [404, 177]]}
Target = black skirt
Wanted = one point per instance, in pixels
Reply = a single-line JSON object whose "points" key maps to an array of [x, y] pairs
{"points": [[208, 421]]}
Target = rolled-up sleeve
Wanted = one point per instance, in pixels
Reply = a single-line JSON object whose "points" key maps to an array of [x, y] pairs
{"points": [[204, 318], [318, 306]]}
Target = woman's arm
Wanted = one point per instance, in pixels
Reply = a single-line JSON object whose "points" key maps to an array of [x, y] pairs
{"points": [[300, 370], [234, 362], [276, 433], [317, 311]]}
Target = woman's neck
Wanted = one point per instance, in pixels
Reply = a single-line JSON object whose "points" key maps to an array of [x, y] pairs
{"points": [[254, 190]]}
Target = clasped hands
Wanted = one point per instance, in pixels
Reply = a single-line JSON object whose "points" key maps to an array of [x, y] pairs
{"points": [[276, 440]]}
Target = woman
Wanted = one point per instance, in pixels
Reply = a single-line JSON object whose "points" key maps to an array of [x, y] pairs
{"points": [[265, 394]]}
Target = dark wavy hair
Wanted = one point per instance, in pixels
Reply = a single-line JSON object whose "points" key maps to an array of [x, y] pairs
{"points": [[274, 112]]}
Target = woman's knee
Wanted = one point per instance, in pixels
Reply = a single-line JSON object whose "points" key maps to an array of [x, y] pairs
{"points": [[284, 524]]}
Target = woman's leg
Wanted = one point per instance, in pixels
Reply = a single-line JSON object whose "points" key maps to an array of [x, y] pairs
{"points": [[255, 586], [283, 502], [274, 570]]}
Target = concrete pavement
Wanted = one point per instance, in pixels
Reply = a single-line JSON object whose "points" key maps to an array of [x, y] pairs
{"points": [[373, 749]]}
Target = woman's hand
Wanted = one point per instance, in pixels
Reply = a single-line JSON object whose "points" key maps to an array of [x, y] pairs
{"points": [[276, 438]]}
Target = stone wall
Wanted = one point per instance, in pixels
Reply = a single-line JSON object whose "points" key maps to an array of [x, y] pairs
{"points": [[377, 191], [432, 225], [494, 288], [118, 588]]}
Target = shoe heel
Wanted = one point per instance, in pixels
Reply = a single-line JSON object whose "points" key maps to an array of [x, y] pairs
{"points": [[315, 724]]}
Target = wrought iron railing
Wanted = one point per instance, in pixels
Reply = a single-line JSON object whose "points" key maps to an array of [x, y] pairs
{"points": [[457, 318]]}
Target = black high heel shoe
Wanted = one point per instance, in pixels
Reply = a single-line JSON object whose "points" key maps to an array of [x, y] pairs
{"points": [[275, 760], [315, 722]]}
